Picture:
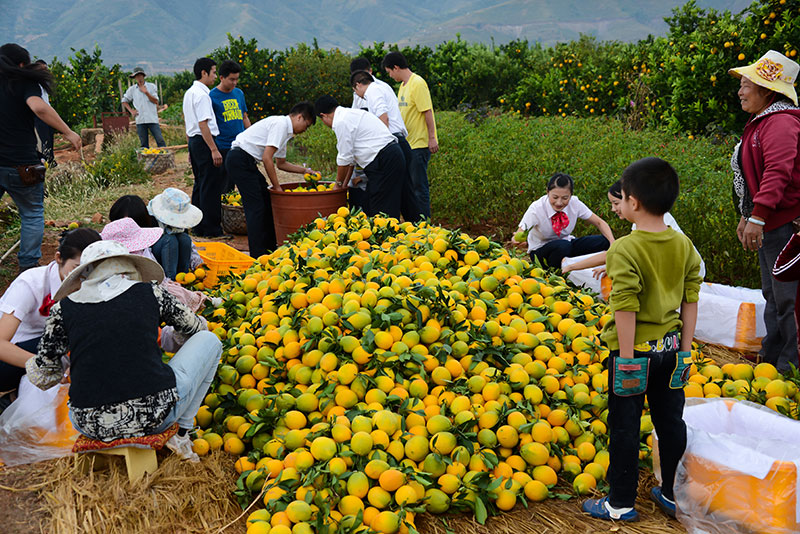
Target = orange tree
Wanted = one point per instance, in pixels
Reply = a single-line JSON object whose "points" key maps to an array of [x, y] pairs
{"points": [[84, 87]]}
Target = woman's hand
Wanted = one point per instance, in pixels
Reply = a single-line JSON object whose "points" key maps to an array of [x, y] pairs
{"points": [[752, 236], [599, 272], [740, 230]]}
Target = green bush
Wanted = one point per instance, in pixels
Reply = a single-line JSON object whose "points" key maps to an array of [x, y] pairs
{"points": [[117, 164], [486, 174]]}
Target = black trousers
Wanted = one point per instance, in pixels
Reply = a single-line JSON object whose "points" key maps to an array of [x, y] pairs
{"points": [[242, 169], [227, 182], [409, 203], [386, 174], [11, 374], [666, 410], [551, 253], [207, 189]]}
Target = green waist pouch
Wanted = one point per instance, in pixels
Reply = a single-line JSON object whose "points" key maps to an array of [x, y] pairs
{"points": [[630, 376]]}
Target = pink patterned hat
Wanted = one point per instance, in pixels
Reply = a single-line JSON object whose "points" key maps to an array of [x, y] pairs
{"points": [[130, 234]]}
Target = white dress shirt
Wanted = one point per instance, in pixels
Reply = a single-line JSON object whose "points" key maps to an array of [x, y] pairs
{"points": [[25, 296], [148, 111], [358, 102], [381, 99], [359, 136], [537, 220], [272, 131], [197, 107]]}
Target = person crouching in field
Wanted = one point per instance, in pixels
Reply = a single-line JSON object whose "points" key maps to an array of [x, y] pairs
{"points": [[106, 316], [551, 219], [654, 272]]}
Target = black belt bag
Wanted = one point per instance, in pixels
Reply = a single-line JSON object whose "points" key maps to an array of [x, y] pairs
{"points": [[31, 174]]}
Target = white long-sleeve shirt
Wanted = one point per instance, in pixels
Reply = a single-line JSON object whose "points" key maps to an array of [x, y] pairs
{"points": [[381, 99], [359, 136]]}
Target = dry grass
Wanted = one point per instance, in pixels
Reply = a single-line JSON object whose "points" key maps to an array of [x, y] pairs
{"points": [[180, 497], [723, 355]]}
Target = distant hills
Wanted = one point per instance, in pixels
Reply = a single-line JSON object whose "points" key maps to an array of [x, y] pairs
{"points": [[166, 36]]}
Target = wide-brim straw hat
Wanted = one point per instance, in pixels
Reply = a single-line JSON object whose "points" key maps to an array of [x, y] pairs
{"points": [[774, 71], [174, 208], [98, 251]]}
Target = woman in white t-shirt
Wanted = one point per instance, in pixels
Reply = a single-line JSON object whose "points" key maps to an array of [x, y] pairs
{"points": [[25, 305], [599, 260], [551, 219]]}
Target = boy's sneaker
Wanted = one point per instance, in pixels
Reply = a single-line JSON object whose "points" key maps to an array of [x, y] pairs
{"points": [[600, 509], [182, 446], [665, 504]]}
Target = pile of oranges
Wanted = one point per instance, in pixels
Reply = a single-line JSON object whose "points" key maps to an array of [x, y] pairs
{"points": [[374, 370]]}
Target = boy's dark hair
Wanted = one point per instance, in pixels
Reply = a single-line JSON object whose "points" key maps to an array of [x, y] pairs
{"points": [[394, 59], [134, 207], [616, 189], [361, 76], [561, 179], [653, 182], [11, 55], [306, 110], [325, 104], [203, 64], [72, 242], [360, 63], [228, 67]]}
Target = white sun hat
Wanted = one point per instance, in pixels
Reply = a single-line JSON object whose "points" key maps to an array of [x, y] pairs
{"points": [[773, 71], [174, 208]]}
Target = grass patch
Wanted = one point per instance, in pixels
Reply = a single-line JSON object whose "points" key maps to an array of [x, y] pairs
{"points": [[488, 171]]}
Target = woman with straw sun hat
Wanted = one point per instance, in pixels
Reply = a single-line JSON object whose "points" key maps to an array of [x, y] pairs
{"points": [[106, 317], [766, 169]]}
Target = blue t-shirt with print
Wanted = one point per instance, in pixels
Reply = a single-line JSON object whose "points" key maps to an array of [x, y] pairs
{"points": [[229, 109]]}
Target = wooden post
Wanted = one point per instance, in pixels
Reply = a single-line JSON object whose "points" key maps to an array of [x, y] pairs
{"points": [[119, 85]]}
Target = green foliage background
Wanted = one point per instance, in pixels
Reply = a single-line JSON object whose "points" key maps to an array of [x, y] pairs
{"points": [[487, 173]]}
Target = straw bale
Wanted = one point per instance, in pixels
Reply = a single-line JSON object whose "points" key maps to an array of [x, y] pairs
{"points": [[180, 497], [723, 355]]}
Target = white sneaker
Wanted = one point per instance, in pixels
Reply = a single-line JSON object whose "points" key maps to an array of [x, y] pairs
{"points": [[182, 446]]}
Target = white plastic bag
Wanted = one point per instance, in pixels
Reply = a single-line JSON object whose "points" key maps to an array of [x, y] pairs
{"points": [[36, 426], [731, 316], [739, 473]]}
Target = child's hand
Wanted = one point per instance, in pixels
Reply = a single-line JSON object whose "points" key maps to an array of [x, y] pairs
{"points": [[599, 272]]}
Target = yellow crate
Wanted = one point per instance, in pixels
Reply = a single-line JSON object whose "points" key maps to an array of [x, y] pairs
{"points": [[221, 259]]}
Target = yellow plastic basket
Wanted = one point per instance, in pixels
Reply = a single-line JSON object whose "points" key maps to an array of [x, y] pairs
{"points": [[221, 259]]}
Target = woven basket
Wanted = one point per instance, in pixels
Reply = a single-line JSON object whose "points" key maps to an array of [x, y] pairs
{"points": [[156, 163], [233, 221]]}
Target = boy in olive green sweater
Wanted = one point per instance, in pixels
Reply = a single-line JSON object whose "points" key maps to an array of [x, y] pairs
{"points": [[654, 272]]}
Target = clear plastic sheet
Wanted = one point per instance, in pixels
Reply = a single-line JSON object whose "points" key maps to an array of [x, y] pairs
{"points": [[740, 470], [36, 426]]}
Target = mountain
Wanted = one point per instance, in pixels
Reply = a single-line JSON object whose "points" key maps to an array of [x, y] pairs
{"points": [[168, 35]]}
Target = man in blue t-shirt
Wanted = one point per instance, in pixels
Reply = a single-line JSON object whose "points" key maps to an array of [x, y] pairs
{"points": [[230, 110]]}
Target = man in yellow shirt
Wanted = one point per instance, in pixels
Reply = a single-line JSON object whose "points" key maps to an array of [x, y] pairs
{"points": [[416, 108]]}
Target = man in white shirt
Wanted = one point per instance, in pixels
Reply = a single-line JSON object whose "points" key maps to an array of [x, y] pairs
{"points": [[264, 141], [357, 192], [205, 157], [382, 102], [144, 97], [363, 140]]}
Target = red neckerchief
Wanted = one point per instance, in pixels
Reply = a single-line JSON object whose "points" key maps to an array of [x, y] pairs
{"points": [[560, 221], [47, 303]]}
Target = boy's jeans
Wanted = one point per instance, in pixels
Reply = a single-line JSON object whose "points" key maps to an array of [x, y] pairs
{"points": [[29, 200], [174, 253], [666, 410]]}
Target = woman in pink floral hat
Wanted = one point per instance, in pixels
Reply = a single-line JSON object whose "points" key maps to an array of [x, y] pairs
{"points": [[766, 170]]}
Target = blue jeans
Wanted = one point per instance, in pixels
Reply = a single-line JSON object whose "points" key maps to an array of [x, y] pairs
{"points": [[174, 253], [152, 127], [194, 365], [418, 170], [30, 204]]}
